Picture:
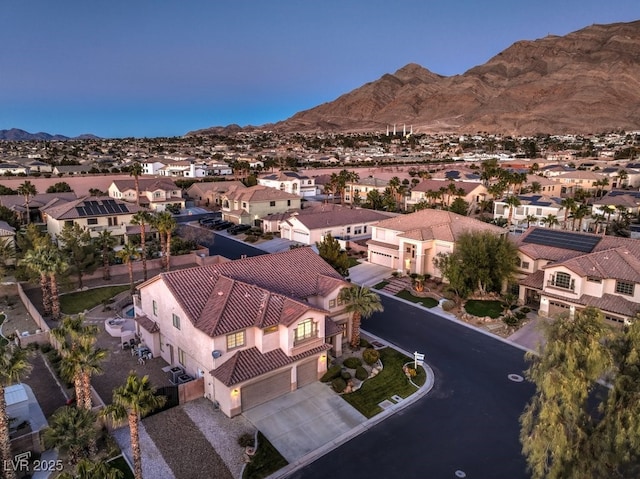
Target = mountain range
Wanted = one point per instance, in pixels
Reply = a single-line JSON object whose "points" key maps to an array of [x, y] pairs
{"points": [[15, 134], [585, 82]]}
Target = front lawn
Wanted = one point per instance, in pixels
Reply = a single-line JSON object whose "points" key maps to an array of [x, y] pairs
{"points": [[265, 462], [389, 382], [74, 303], [427, 302], [381, 285], [477, 307], [121, 465], [353, 262]]}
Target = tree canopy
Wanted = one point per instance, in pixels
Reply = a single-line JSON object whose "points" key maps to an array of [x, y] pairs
{"points": [[329, 250], [573, 428], [480, 261]]}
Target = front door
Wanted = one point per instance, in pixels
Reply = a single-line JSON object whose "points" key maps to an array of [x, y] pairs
{"points": [[170, 354]]}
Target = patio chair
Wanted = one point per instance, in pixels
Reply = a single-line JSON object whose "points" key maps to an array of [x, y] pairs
{"points": [[141, 360], [126, 345]]}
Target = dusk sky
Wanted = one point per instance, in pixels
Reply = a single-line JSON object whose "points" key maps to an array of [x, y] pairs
{"points": [[149, 68]]}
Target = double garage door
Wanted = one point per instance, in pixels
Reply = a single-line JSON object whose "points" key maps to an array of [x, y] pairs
{"points": [[277, 385]]}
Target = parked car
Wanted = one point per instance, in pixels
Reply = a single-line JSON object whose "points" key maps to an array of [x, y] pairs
{"points": [[223, 226], [237, 229], [213, 224]]}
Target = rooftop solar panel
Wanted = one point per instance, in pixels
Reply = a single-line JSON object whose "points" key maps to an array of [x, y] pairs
{"points": [[562, 239]]}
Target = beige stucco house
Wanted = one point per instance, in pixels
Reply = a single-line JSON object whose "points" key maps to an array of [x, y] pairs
{"points": [[249, 205], [253, 329], [471, 192], [155, 193], [96, 213], [210, 193], [291, 182], [409, 243], [565, 271]]}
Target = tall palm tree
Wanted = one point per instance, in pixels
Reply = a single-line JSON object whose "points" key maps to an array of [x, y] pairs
{"points": [[361, 302], [128, 254], [166, 225], [28, 190], [598, 219], [7, 254], [135, 170], [105, 242], [531, 219], [71, 430], [569, 204], [512, 202], [89, 360], [13, 366], [623, 176], [580, 213], [55, 266], [36, 260], [131, 402], [143, 218]]}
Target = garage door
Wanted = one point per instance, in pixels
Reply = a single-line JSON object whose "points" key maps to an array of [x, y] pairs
{"points": [[300, 237], [383, 259], [558, 309], [307, 373], [266, 390]]}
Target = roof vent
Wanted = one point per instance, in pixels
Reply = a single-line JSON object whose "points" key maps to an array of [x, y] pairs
{"points": [[220, 293]]}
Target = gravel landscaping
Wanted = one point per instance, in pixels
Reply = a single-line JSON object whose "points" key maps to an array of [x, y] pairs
{"points": [[153, 464]]}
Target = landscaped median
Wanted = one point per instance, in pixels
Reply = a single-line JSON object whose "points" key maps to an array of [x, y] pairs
{"points": [[390, 381]]}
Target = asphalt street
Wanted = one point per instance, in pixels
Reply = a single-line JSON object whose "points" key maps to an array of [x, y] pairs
{"points": [[467, 426]]}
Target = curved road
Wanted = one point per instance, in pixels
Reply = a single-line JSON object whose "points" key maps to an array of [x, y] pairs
{"points": [[468, 424]]}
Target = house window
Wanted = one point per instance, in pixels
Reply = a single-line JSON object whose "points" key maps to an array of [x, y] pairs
{"points": [[538, 211], [348, 229], [235, 340], [357, 231], [92, 221], [244, 204], [288, 202], [272, 203], [154, 305], [182, 357], [592, 279], [306, 329], [332, 303], [176, 321], [270, 329], [562, 280], [68, 223], [339, 302], [624, 287], [524, 265]]}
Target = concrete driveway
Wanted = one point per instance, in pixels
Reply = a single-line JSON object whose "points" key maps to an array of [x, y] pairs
{"points": [[304, 420], [367, 274]]}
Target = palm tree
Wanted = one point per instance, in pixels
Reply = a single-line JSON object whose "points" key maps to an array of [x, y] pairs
{"points": [[105, 241], [598, 219], [135, 170], [128, 254], [143, 218], [166, 224], [13, 366], [87, 469], [536, 187], [623, 176], [7, 254], [28, 190], [361, 302], [71, 430], [580, 213], [131, 402], [550, 221], [531, 219], [89, 360], [512, 202], [569, 204], [36, 260], [55, 266]]}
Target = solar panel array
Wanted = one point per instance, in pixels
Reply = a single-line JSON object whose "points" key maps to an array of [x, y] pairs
{"points": [[101, 208], [613, 193], [563, 239]]}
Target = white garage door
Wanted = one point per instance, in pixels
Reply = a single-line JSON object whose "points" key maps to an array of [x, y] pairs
{"points": [[266, 390], [300, 237], [383, 259], [307, 373]]}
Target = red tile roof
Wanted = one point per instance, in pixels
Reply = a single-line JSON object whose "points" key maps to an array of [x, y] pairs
{"points": [[251, 363], [147, 324]]}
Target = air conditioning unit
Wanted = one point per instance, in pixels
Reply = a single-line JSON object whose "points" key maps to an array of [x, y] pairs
{"points": [[200, 373], [174, 373]]}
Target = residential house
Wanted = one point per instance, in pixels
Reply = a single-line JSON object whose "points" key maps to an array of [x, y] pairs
{"points": [[539, 206], [291, 182], [471, 192], [96, 213], [409, 243], [616, 202], [566, 271], [572, 181], [356, 191], [254, 329], [17, 204], [210, 193], [72, 170], [249, 205], [182, 168], [11, 168], [310, 226], [631, 180], [155, 193], [36, 166]]}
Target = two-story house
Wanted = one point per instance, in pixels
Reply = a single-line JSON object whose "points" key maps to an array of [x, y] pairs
{"points": [[96, 213], [155, 193], [211, 193], [409, 243], [253, 329], [249, 205], [291, 182], [356, 191], [310, 226], [539, 206], [566, 271], [430, 190], [617, 202]]}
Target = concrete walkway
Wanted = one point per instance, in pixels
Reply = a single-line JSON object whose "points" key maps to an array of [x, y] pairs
{"points": [[530, 335], [367, 274]]}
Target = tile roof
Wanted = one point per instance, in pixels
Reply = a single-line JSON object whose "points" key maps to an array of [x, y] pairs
{"points": [[84, 207], [618, 263], [607, 303], [338, 217], [146, 184], [258, 291], [285, 176], [251, 363], [147, 323], [435, 185], [6, 229], [436, 224], [260, 193]]}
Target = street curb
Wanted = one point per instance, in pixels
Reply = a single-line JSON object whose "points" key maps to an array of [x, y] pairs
{"points": [[365, 426]]}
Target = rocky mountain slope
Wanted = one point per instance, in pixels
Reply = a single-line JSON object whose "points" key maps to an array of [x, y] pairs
{"points": [[587, 81], [15, 134]]}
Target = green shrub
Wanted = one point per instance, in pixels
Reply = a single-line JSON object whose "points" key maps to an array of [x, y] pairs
{"points": [[245, 440], [352, 362], [525, 310], [268, 236], [450, 295], [510, 320], [251, 239], [332, 373], [361, 373], [338, 385], [448, 305], [370, 355], [520, 315], [346, 375], [364, 343]]}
